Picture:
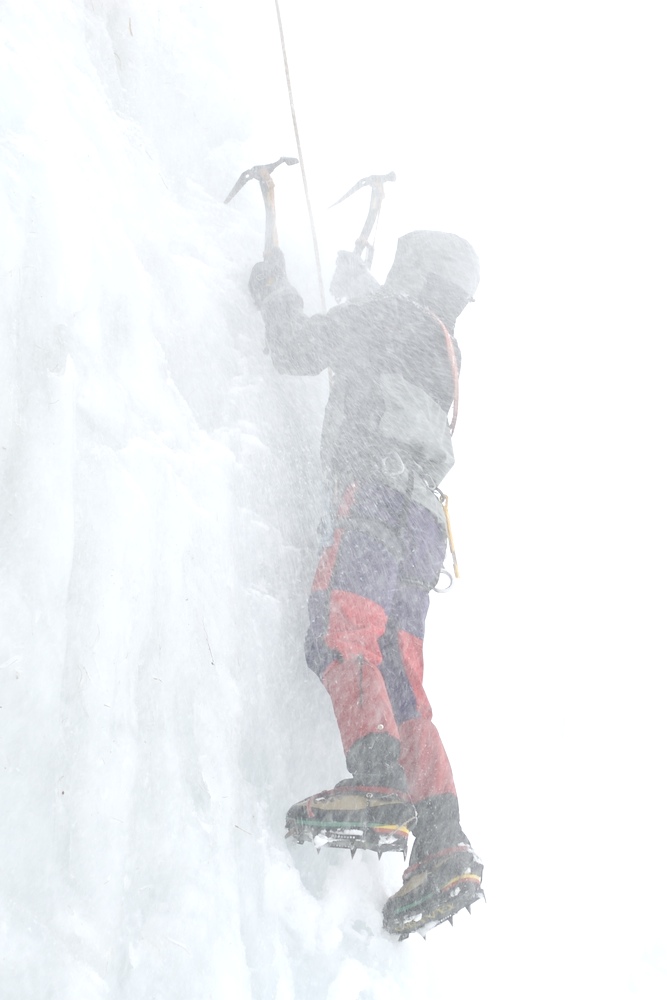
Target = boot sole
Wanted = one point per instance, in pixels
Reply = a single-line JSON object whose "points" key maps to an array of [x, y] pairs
{"points": [[364, 818], [379, 838]]}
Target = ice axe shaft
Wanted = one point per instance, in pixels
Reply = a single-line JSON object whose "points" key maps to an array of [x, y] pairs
{"points": [[376, 183], [262, 173]]}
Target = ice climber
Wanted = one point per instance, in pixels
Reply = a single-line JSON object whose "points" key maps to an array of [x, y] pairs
{"points": [[386, 444]]}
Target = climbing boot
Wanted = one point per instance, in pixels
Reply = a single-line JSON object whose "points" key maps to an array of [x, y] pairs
{"points": [[444, 875]]}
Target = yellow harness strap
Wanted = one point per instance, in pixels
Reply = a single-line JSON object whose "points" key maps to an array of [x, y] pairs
{"points": [[450, 537]]}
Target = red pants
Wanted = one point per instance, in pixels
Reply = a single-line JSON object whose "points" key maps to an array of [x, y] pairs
{"points": [[368, 609]]}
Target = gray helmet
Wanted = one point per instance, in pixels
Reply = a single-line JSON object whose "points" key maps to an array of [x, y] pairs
{"points": [[436, 259]]}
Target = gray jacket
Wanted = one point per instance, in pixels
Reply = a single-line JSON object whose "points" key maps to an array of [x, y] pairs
{"points": [[391, 387]]}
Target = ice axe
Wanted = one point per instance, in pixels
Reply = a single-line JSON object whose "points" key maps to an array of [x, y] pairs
{"points": [[262, 173], [376, 183]]}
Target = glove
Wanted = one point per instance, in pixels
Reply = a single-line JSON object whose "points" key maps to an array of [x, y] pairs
{"points": [[352, 280], [267, 276]]}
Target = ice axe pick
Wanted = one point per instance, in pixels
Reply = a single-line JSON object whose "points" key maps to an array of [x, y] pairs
{"points": [[376, 183], [262, 173]]}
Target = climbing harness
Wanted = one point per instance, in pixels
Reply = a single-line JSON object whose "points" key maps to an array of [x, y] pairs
{"points": [[454, 366], [451, 355], [300, 152]]}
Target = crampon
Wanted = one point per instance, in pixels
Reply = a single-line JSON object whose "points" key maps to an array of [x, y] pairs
{"points": [[434, 891], [355, 817]]}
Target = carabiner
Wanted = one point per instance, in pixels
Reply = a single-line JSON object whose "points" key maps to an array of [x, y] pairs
{"points": [[443, 590]]}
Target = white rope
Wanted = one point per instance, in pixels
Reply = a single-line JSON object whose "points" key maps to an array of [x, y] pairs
{"points": [[300, 153]]}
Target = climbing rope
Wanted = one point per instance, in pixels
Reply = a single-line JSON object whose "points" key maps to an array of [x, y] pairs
{"points": [[299, 151]]}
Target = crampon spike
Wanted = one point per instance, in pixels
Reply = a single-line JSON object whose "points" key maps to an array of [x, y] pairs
{"points": [[468, 909], [353, 851], [450, 920]]}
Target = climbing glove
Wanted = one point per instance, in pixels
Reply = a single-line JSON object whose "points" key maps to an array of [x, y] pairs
{"points": [[352, 279], [267, 276]]}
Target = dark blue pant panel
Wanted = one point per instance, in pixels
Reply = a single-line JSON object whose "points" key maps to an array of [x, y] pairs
{"points": [[395, 572]]}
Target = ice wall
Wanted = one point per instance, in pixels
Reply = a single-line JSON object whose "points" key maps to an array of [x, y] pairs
{"points": [[159, 512], [146, 559]]}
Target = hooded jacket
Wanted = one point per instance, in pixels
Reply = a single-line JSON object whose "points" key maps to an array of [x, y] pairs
{"points": [[392, 386]]}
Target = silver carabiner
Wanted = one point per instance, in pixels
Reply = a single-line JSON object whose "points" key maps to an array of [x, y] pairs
{"points": [[443, 590]]}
